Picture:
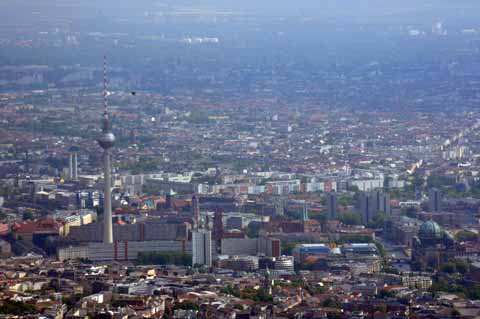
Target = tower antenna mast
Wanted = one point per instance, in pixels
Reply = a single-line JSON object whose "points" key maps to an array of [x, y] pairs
{"points": [[105, 82]]}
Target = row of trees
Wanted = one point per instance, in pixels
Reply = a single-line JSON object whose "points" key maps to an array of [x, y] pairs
{"points": [[457, 287], [17, 308], [451, 279], [257, 295]]}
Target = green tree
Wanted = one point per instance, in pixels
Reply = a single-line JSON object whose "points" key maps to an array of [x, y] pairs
{"points": [[381, 308], [462, 266], [353, 188], [288, 246], [18, 308], [72, 300], [331, 303], [345, 200], [354, 238], [381, 250], [319, 217], [409, 212], [386, 294], [27, 215], [315, 290], [417, 180], [350, 218], [229, 290], [465, 235], [187, 305], [455, 266], [449, 267], [378, 220]]}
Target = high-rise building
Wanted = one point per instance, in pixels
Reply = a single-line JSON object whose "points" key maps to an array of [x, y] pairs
{"points": [[434, 200], [169, 199], [218, 225], [195, 208], [133, 136], [73, 164], [384, 204], [106, 142], [305, 211], [332, 205], [269, 246], [264, 246], [279, 208], [148, 230], [373, 203], [284, 263], [381, 202], [366, 207], [70, 166], [202, 247], [235, 222]]}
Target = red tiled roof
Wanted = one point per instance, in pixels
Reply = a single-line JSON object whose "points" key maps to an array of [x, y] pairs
{"points": [[42, 225]]}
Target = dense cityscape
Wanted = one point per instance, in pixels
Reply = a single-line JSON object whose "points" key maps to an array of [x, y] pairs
{"points": [[239, 160]]}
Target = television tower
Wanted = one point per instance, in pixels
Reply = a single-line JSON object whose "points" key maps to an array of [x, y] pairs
{"points": [[106, 141]]}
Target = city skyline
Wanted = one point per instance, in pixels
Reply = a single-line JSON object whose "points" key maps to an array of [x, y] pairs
{"points": [[240, 159]]}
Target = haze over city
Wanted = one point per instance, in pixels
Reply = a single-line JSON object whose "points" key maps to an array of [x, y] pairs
{"points": [[239, 159]]}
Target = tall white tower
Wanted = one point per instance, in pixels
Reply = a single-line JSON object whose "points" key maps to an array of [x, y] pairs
{"points": [[106, 141]]}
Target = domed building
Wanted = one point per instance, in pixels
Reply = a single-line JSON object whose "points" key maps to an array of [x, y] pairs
{"points": [[430, 232], [432, 247]]}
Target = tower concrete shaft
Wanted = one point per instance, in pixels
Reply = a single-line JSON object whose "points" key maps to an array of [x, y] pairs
{"points": [[70, 167], [75, 166], [107, 202]]}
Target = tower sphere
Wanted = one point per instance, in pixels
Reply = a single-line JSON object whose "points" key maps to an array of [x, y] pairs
{"points": [[106, 140]]}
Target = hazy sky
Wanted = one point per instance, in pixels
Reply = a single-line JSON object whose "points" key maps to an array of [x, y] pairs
{"points": [[287, 7]]}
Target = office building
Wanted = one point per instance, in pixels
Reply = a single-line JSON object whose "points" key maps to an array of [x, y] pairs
{"points": [[120, 250], [366, 207], [240, 263], [332, 205], [150, 230], [279, 208], [73, 164], [434, 200], [373, 203], [195, 210], [265, 246], [305, 212], [284, 263], [302, 251], [235, 222], [381, 202], [202, 248]]}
